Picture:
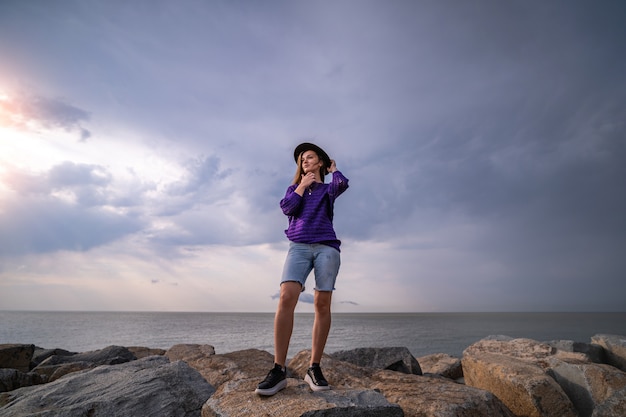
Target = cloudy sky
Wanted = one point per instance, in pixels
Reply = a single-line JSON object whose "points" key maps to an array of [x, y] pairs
{"points": [[145, 146]]}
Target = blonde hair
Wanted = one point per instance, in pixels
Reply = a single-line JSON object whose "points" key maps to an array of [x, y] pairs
{"points": [[298, 175]]}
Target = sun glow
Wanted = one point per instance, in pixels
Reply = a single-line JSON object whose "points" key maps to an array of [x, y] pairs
{"points": [[11, 115], [5, 109]]}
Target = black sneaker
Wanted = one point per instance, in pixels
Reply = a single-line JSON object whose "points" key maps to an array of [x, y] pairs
{"points": [[315, 379], [275, 380]]}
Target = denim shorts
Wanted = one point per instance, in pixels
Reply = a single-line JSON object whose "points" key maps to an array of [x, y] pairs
{"points": [[324, 260]]}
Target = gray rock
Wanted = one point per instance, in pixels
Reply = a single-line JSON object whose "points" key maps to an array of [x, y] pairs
{"points": [[152, 386], [614, 349], [614, 406], [110, 355], [588, 385], [11, 379], [143, 352], [190, 352], [56, 366], [593, 353], [441, 364], [16, 356], [355, 403], [42, 354], [224, 368], [397, 359], [498, 337]]}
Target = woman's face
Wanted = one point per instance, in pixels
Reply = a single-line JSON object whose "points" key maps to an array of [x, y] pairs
{"points": [[310, 162]]}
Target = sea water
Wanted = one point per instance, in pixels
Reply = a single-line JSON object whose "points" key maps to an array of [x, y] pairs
{"points": [[421, 333]]}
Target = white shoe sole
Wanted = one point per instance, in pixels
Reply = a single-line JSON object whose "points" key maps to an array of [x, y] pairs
{"points": [[271, 391], [314, 387]]}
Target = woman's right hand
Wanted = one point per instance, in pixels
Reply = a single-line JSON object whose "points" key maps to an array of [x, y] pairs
{"points": [[307, 179], [305, 182]]}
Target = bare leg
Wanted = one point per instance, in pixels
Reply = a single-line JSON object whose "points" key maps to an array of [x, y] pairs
{"points": [[283, 321], [321, 325]]}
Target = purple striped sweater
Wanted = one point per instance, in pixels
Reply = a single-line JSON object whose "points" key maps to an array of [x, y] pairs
{"points": [[311, 216]]}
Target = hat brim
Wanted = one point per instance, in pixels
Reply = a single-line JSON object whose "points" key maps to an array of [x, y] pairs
{"points": [[303, 147]]}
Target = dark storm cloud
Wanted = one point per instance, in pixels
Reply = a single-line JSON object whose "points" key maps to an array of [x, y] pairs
{"points": [[522, 105], [523, 141]]}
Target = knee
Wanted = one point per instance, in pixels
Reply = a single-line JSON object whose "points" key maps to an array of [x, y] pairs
{"points": [[288, 296], [322, 304], [287, 301]]}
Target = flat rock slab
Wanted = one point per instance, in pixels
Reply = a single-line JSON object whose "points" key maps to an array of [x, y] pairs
{"points": [[151, 386], [237, 398]]}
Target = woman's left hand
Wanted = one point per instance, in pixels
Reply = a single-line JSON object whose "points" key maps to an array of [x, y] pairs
{"points": [[333, 166]]}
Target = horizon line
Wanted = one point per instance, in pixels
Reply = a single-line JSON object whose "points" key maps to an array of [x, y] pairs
{"points": [[334, 312]]}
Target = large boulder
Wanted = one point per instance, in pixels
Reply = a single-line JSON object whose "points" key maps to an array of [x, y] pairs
{"points": [[152, 386], [588, 385], [557, 378], [509, 369], [614, 349], [16, 356], [397, 359], [417, 395]]}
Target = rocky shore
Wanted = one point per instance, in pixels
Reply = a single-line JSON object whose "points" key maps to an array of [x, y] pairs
{"points": [[496, 376]]}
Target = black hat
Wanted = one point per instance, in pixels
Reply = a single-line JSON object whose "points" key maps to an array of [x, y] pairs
{"points": [[303, 147]]}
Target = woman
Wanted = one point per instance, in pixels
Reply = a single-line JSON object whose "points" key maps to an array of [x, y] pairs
{"points": [[308, 203]]}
